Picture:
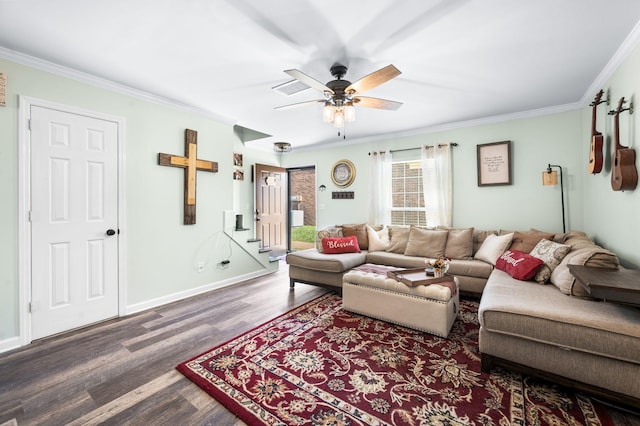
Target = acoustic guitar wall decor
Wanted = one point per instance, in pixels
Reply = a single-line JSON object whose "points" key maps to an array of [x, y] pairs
{"points": [[595, 151], [624, 174]]}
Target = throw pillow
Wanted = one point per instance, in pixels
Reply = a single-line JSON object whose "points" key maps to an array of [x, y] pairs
{"points": [[518, 264], [398, 236], [426, 242], [478, 238], [359, 231], [551, 254], [378, 240], [492, 247], [459, 244], [330, 232], [340, 245], [526, 241]]}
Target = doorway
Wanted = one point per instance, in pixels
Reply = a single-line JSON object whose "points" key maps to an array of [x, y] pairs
{"points": [[302, 208], [71, 208], [271, 215]]}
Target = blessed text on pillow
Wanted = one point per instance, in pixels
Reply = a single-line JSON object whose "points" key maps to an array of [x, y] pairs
{"points": [[518, 264], [340, 245]]}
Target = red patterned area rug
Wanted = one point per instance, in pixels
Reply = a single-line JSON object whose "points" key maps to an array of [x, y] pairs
{"points": [[320, 365]]}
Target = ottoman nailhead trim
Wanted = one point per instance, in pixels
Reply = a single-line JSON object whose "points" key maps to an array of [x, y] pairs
{"points": [[384, 290]]}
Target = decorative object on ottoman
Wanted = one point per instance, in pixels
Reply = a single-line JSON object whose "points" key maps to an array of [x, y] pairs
{"points": [[440, 265]]}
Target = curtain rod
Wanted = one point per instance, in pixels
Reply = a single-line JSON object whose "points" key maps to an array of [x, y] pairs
{"points": [[413, 149]]}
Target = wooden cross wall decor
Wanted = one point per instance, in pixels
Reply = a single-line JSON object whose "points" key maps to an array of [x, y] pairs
{"points": [[190, 164]]}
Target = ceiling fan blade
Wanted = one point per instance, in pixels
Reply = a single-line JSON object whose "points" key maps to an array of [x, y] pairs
{"points": [[299, 104], [376, 103], [309, 81], [374, 79]]}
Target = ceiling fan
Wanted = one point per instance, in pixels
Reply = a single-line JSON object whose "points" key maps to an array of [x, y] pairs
{"points": [[341, 95]]}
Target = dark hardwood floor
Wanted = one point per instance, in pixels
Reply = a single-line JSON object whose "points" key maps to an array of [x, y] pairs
{"points": [[122, 371]]}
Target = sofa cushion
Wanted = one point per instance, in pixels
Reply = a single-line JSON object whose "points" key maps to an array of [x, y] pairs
{"points": [[458, 267], [395, 259], [459, 243], [542, 314], [520, 265], [378, 240], [492, 247], [398, 237], [551, 253], [329, 232], [526, 241], [360, 232], [314, 260], [426, 242]]}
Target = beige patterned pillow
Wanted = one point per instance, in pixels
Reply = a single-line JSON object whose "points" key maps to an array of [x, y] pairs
{"points": [[426, 242], [330, 232], [551, 254]]}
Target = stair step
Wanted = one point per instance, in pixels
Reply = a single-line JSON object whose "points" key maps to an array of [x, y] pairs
{"points": [[264, 250], [254, 240]]}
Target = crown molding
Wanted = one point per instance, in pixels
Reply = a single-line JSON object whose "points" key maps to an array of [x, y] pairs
{"points": [[102, 83], [623, 52], [451, 126]]}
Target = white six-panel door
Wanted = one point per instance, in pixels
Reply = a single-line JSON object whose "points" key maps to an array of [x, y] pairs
{"points": [[74, 220]]}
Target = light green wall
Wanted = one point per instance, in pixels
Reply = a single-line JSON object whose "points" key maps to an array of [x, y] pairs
{"points": [[613, 217], [162, 253], [554, 139]]}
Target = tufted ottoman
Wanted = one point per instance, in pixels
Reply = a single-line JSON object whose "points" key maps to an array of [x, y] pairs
{"points": [[368, 291]]}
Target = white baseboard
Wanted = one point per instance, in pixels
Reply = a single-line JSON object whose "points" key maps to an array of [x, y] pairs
{"points": [[15, 342], [9, 344], [153, 303]]}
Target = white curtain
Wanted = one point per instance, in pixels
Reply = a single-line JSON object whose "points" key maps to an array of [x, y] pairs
{"points": [[437, 184], [380, 191]]}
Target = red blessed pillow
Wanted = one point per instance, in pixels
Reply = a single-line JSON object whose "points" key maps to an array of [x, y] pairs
{"points": [[332, 245], [518, 264]]}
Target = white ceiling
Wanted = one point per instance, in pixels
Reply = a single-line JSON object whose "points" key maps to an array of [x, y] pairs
{"points": [[461, 60]]}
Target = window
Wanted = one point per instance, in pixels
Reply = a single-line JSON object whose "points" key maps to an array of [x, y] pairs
{"points": [[407, 194]]}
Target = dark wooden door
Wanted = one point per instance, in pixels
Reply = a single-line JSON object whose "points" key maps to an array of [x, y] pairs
{"points": [[271, 206]]}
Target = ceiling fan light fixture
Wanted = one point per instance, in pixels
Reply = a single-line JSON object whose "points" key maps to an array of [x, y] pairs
{"points": [[328, 112], [349, 112], [282, 147], [338, 120]]}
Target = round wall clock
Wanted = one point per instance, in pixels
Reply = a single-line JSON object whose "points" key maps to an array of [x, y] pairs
{"points": [[343, 173]]}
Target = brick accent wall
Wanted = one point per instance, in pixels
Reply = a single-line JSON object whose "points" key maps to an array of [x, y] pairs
{"points": [[303, 185]]}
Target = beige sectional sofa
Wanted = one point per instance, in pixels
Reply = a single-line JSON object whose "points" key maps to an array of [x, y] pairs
{"points": [[406, 250], [551, 330]]}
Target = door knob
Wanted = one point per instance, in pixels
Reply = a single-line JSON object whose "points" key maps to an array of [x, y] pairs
{"points": [[111, 232]]}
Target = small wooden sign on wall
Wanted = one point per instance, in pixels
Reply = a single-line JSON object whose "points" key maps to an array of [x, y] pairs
{"points": [[3, 89]]}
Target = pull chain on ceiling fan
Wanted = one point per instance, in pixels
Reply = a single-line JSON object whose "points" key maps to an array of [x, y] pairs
{"points": [[340, 96]]}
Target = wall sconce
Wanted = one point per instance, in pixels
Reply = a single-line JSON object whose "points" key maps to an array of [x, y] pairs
{"points": [[550, 177], [322, 187]]}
